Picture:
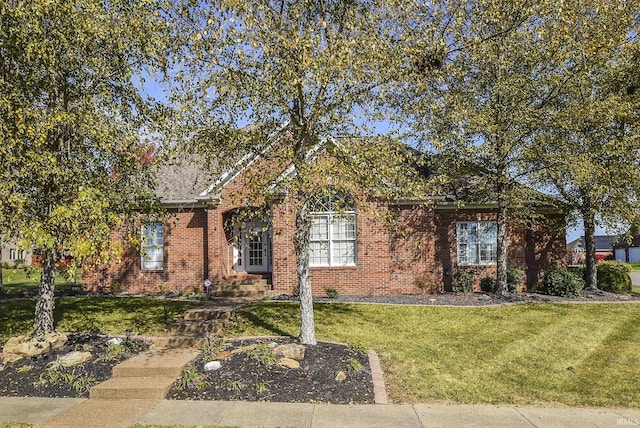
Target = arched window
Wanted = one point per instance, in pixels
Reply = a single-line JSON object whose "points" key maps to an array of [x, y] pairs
{"points": [[333, 230]]}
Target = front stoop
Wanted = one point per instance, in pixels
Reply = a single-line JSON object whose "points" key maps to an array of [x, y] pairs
{"points": [[190, 331], [148, 375]]}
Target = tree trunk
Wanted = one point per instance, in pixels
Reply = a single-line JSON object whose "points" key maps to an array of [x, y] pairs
{"points": [[301, 246], [2, 290], [501, 250], [591, 270], [46, 301]]}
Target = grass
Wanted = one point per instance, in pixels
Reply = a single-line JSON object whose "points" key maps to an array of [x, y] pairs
{"points": [[572, 354], [143, 315], [635, 266], [24, 282]]}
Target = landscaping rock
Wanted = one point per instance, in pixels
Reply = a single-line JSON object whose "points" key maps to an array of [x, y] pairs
{"points": [[212, 366], [341, 376], [25, 346], [293, 351], [72, 359], [242, 349], [114, 341], [223, 355], [289, 363]]}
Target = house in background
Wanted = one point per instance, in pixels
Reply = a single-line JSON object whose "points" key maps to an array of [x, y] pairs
{"points": [[576, 249], [628, 252], [353, 249], [13, 255]]}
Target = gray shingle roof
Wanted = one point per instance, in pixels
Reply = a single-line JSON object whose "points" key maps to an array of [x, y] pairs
{"points": [[182, 179]]}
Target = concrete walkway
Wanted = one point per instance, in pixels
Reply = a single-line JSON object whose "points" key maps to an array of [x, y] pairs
{"points": [[72, 412], [635, 278]]}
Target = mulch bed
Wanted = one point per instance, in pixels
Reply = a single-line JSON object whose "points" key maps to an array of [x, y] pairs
{"points": [[32, 377], [252, 375]]}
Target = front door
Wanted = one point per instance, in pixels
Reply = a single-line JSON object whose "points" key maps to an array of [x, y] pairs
{"points": [[254, 252]]}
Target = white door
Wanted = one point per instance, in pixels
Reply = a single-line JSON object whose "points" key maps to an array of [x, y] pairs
{"points": [[634, 254], [254, 252]]}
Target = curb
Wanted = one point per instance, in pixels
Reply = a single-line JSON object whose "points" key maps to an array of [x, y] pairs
{"points": [[379, 389]]}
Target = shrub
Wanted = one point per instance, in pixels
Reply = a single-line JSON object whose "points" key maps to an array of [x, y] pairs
{"points": [[514, 278], [462, 281], [332, 293], [562, 282], [488, 284], [427, 283], [614, 277]]}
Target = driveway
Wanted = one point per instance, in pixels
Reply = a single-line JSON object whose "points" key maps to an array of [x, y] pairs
{"points": [[635, 278]]}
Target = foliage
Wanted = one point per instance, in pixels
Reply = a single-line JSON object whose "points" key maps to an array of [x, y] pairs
{"points": [[488, 284], [427, 283], [211, 350], [192, 379], [59, 375], [303, 75], [72, 123], [429, 361], [614, 277], [355, 365], [332, 293], [262, 353], [462, 281], [562, 282]]}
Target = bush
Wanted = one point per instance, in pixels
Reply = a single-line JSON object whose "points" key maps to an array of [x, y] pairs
{"points": [[462, 281], [514, 278], [562, 282], [488, 284], [332, 293], [614, 277]]}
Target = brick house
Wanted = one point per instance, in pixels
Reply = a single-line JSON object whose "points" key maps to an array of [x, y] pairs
{"points": [[355, 251]]}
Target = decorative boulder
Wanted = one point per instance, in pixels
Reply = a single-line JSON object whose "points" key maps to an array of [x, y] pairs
{"points": [[289, 363], [212, 366], [341, 376], [289, 350], [72, 359], [26, 346]]}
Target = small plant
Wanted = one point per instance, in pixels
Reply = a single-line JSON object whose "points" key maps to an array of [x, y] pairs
{"points": [[332, 293], [191, 378], [83, 383], [426, 283], [355, 365], [562, 282], [262, 387], [115, 351], [514, 278], [235, 385], [210, 350], [355, 347], [23, 369], [262, 353], [488, 284], [462, 281], [54, 377], [614, 277]]}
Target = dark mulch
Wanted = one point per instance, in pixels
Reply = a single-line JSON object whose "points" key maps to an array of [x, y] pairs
{"points": [[243, 376], [35, 377]]}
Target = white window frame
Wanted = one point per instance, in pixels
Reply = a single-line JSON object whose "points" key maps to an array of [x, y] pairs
{"points": [[152, 247], [13, 254], [332, 238], [473, 252]]}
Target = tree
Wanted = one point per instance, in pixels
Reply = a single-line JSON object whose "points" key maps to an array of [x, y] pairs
{"points": [[477, 93], [590, 152], [320, 67], [71, 121]]}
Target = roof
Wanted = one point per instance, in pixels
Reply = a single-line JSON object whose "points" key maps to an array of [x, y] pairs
{"points": [[181, 180], [603, 242]]}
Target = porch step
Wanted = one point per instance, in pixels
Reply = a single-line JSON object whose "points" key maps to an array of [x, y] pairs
{"points": [[205, 314], [198, 327], [148, 375], [245, 287], [176, 341]]}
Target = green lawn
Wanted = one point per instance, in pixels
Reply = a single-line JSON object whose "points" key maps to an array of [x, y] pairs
{"points": [[24, 282], [573, 354], [635, 266], [143, 315]]}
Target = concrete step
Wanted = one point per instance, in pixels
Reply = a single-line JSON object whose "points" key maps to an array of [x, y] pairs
{"points": [[133, 388], [174, 341], [241, 287], [247, 295], [156, 362], [206, 314], [198, 327]]}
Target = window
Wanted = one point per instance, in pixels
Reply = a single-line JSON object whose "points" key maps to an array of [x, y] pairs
{"points": [[12, 254], [152, 246], [332, 241], [477, 242]]}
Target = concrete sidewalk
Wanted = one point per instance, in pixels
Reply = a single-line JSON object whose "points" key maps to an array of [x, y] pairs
{"points": [[71, 412]]}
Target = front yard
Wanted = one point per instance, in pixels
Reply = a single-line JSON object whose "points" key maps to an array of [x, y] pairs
{"points": [[526, 354], [572, 354]]}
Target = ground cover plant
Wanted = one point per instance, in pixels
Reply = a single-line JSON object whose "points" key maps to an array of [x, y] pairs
{"points": [[108, 315], [572, 354]]}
